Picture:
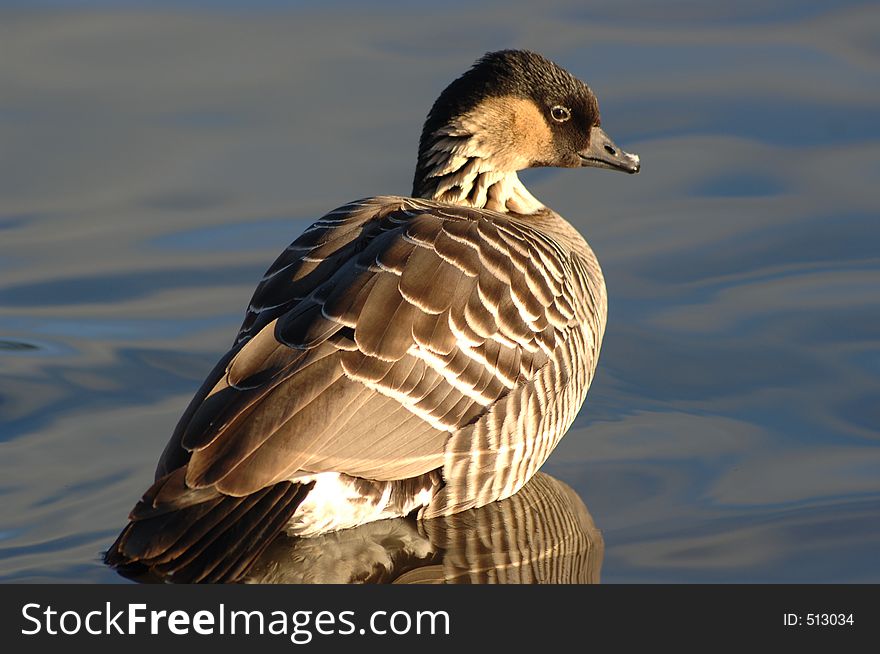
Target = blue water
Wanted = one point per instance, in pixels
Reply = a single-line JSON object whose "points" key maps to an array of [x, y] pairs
{"points": [[156, 157]]}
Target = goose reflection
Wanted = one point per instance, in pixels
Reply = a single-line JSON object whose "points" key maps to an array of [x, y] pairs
{"points": [[542, 534]]}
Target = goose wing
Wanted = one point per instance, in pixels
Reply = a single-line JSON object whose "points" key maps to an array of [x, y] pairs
{"points": [[384, 339]]}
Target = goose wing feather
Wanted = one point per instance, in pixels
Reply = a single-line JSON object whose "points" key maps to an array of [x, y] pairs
{"points": [[385, 342]]}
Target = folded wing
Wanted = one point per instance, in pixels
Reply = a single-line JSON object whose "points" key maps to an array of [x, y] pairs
{"points": [[387, 337]]}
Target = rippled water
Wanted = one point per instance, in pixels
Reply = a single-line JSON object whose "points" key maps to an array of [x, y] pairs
{"points": [[153, 161]]}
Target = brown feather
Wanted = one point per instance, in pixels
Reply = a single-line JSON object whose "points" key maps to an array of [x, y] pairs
{"points": [[429, 282], [210, 541], [384, 326], [462, 256], [432, 332]]}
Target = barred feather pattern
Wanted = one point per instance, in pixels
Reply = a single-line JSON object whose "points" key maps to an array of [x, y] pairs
{"points": [[397, 338]]}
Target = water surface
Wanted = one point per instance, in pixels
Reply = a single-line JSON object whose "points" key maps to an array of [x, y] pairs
{"points": [[156, 157]]}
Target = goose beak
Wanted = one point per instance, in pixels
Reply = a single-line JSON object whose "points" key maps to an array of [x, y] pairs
{"points": [[603, 153]]}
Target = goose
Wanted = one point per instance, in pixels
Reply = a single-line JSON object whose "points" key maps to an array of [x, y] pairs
{"points": [[414, 355]]}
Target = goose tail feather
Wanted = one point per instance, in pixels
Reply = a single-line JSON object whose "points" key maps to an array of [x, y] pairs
{"points": [[200, 536]]}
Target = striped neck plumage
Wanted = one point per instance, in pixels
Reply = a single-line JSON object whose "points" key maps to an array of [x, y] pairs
{"points": [[454, 168]]}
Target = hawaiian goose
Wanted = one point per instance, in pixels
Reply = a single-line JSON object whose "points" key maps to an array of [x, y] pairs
{"points": [[403, 355]]}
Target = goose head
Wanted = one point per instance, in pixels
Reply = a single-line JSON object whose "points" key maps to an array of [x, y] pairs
{"points": [[512, 110]]}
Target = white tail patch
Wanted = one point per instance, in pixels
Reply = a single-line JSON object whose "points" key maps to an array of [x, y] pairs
{"points": [[336, 502]]}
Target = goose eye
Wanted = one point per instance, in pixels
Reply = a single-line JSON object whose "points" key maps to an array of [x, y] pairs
{"points": [[560, 114]]}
